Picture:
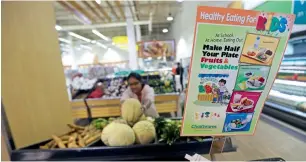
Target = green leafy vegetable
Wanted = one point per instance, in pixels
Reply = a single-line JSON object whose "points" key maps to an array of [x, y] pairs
{"points": [[100, 123]]}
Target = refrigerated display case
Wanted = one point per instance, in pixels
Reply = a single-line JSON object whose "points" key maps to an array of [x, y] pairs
{"points": [[287, 99]]}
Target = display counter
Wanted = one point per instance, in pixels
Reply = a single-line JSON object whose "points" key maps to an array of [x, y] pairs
{"points": [[287, 99], [165, 103], [158, 149], [156, 152]]}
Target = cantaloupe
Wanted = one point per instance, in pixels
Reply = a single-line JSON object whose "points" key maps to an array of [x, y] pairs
{"points": [[118, 134], [131, 111], [119, 120], [144, 132]]}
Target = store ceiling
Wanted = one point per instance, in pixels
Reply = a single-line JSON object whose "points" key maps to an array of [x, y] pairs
{"points": [[79, 13]]}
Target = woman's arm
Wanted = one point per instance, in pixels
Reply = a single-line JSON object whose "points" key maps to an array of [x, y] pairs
{"points": [[125, 95], [148, 102]]}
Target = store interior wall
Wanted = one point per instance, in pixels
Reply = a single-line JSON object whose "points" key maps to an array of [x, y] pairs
{"points": [[182, 29]]}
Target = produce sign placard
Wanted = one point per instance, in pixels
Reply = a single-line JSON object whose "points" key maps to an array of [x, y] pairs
{"points": [[235, 59], [156, 49]]}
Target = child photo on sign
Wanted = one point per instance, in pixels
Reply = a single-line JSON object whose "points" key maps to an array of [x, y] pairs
{"points": [[222, 90], [212, 90]]}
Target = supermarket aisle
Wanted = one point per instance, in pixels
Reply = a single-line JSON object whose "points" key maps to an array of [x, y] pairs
{"points": [[272, 139]]}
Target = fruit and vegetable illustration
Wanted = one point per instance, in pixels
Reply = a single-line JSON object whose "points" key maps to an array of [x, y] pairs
{"points": [[237, 122], [260, 48], [252, 78], [214, 91], [243, 102]]}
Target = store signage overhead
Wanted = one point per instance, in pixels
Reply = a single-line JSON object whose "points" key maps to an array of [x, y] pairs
{"points": [[235, 59], [299, 9]]}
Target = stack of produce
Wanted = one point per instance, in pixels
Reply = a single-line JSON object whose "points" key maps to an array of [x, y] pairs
{"points": [[114, 88], [81, 83], [77, 137], [129, 129], [160, 87], [134, 127]]}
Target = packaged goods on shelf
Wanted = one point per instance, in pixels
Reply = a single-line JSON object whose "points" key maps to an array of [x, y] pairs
{"points": [[302, 106], [82, 83], [290, 87], [286, 99], [115, 84]]}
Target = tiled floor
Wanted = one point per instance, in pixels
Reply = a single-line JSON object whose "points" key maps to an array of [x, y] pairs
{"points": [[269, 141]]}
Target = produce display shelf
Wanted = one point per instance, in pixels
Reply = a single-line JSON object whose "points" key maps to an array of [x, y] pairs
{"points": [[111, 98], [157, 152], [165, 103], [286, 109], [290, 82], [286, 114]]}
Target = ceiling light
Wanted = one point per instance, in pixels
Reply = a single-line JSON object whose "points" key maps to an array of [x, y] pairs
{"points": [[93, 41], [179, 0], [57, 27], [64, 40], [98, 1], [86, 47], [100, 35], [169, 18], [101, 45], [79, 37], [165, 30]]}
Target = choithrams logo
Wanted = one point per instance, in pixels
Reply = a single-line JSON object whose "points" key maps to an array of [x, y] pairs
{"points": [[194, 126]]}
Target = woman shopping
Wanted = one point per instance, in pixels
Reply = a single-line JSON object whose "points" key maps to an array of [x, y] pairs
{"points": [[143, 92]]}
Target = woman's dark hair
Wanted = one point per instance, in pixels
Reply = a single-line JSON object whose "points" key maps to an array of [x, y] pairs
{"points": [[136, 76]]}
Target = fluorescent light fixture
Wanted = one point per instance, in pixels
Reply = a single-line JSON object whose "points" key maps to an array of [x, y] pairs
{"points": [[98, 1], [179, 0], [79, 37], [86, 47], [64, 40], [101, 45], [169, 18], [57, 27], [93, 41], [165, 30], [100, 35]]}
